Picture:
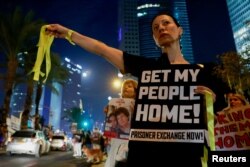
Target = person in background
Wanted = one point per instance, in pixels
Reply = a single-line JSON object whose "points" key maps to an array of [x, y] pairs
{"points": [[236, 100], [128, 89], [87, 139], [119, 147], [77, 146], [232, 116], [167, 34], [96, 139]]}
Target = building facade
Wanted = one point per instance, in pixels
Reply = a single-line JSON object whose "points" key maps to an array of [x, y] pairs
{"points": [[239, 13], [71, 95]]}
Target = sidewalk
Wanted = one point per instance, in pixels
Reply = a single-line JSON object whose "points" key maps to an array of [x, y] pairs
{"points": [[99, 165], [102, 164], [2, 151]]}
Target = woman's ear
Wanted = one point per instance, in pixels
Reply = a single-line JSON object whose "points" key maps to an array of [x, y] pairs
{"points": [[157, 44], [180, 32]]}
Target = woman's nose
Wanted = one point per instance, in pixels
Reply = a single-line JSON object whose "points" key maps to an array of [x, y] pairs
{"points": [[161, 28]]}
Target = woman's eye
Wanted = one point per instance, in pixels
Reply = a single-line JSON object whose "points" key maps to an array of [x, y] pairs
{"points": [[155, 28], [165, 22]]}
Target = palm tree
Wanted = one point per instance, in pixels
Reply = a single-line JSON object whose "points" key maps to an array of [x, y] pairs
{"points": [[18, 33], [234, 69], [58, 74]]}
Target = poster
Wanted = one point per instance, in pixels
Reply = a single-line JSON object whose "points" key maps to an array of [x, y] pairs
{"points": [[232, 129], [118, 119], [167, 107]]}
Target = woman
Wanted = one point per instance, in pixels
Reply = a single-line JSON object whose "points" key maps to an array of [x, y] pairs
{"points": [[236, 100], [167, 33]]}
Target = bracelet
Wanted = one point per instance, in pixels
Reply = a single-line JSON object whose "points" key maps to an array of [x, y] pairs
{"points": [[68, 36]]}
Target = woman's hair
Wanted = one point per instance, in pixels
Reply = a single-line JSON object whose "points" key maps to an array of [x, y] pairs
{"points": [[127, 81], [240, 97], [168, 14]]}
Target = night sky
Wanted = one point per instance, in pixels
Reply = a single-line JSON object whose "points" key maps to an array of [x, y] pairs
{"points": [[211, 31], [209, 22]]}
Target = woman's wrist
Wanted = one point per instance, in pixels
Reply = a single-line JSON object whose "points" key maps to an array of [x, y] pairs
{"points": [[69, 36]]}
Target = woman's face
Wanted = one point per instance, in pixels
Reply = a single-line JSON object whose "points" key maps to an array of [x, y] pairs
{"points": [[235, 102], [128, 90], [165, 31]]}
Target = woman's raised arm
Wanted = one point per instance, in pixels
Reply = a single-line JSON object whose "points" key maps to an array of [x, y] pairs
{"points": [[113, 55]]}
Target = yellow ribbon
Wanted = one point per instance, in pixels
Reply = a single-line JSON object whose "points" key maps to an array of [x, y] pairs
{"points": [[44, 44], [210, 119], [210, 126], [204, 159]]}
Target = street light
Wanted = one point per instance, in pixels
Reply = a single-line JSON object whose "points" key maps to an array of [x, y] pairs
{"points": [[109, 98], [85, 74], [117, 83]]}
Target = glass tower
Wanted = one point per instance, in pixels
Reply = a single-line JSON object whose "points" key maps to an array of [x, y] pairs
{"points": [[239, 13]]}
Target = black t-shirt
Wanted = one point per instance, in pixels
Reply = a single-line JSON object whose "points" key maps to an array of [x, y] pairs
{"points": [[153, 75]]}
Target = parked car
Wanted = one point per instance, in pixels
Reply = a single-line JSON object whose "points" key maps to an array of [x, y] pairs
{"points": [[60, 142], [28, 142]]}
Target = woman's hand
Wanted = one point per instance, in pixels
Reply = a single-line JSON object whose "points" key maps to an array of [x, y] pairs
{"points": [[203, 90], [57, 30]]}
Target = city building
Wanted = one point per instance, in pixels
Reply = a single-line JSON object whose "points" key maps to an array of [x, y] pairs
{"points": [[70, 97], [239, 13]]}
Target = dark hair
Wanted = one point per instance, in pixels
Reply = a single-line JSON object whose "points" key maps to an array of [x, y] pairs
{"points": [[168, 14], [121, 110]]}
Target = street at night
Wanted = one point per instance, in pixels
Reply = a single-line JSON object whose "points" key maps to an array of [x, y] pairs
{"points": [[53, 159]]}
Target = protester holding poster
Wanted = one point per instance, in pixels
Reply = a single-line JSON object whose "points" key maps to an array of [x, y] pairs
{"points": [[232, 125], [117, 156], [167, 126], [129, 87], [236, 100]]}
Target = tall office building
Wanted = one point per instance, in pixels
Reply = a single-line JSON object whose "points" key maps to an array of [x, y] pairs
{"points": [[128, 29], [69, 97], [239, 13], [180, 12], [19, 94], [135, 22]]}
